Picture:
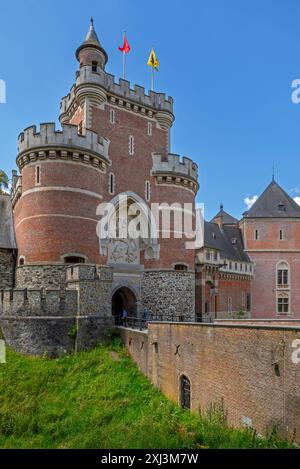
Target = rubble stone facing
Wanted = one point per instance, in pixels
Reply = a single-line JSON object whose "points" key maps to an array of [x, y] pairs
{"points": [[6, 268], [169, 294], [58, 320], [41, 276]]}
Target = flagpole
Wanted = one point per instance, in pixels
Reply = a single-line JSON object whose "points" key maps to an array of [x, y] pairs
{"points": [[124, 58], [152, 76]]}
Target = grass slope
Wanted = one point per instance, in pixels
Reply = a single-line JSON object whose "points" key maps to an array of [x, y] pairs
{"points": [[92, 400]]}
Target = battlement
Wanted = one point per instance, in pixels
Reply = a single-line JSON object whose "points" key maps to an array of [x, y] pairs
{"points": [[69, 137], [174, 164], [38, 302], [155, 101], [88, 272], [171, 169]]}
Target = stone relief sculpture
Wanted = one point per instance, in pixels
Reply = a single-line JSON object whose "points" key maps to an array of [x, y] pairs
{"points": [[123, 251]]}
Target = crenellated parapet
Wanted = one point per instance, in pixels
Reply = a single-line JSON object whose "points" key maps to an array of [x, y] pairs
{"points": [[99, 87], [64, 144], [175, 171], [38, 302]]}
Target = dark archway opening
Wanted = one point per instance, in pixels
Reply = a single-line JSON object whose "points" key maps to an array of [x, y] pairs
{"points": [[185, 393], [124, 299]]}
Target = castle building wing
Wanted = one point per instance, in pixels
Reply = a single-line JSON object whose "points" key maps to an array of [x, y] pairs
{"points": [[227, 239], [274, 202], [7, 235]]}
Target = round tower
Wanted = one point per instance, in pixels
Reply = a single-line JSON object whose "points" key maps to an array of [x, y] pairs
{"points": [[90, 52], [62, 178]]}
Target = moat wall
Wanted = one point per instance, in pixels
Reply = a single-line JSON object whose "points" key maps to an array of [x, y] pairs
{"points": [[247, 368]]}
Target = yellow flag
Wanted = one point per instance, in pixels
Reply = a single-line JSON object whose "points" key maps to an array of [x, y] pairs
{"points": [[153, 62]]}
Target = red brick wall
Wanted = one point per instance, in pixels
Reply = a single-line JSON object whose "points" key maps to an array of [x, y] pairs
{"points": [[266, 253], [235, 365], [52, 223]]}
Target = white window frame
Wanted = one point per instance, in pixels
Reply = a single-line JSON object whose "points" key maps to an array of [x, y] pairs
{"points": [[111, 183], [148, 191], [131, 145], [112, 116], [283, 265], [38, 172], [149, 129]]}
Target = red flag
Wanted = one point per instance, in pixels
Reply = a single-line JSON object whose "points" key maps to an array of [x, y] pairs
{"points": [[126, 47]]}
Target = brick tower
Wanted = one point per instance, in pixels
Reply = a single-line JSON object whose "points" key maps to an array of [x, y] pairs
{"points": [[114, 140], [271, 231]]}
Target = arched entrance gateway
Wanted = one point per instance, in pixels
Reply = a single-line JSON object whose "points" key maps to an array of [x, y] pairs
{"points": [[122, 299]]}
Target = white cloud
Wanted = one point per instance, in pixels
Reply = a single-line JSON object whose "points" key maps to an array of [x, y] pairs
{"points": [[249, 201], [297, 200]]}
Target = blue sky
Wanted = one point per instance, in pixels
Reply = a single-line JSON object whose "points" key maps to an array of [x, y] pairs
{"points": [[229, 65]]}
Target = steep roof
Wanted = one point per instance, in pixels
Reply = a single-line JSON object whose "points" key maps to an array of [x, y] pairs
{"points": [[274, 202], [7, 234], [227, 219], [227, 239], [91, 37], [92, 40]]}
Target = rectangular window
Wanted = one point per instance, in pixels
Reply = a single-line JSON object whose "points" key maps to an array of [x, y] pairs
{"points": [[281, 235], [94, 67], [112, 116], [149, 129], [215, 256], [248, 304], [207, 255], [131, 145], [283, 305], [256, 235], [37, 175]]}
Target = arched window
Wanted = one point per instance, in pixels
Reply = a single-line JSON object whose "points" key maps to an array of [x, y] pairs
{"points": [[21, 260], [283, 276], [185, 392]]}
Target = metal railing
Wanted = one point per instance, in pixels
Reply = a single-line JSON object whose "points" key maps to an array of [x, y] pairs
{"points": [[132, 322]]}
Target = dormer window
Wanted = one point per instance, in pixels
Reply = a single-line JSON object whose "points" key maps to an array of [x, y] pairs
{"points": [[233, 241], [94, 67]]}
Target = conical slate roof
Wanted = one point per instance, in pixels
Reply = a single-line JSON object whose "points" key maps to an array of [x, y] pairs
{"points": [[274, 202], [91, 37], [227, 219], [92, 40]]}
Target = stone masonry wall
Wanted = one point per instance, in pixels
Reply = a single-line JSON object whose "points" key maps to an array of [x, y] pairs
{"points": [[41, 276], [6, 268], [170, 294], [248, 368], [58, 320]]}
